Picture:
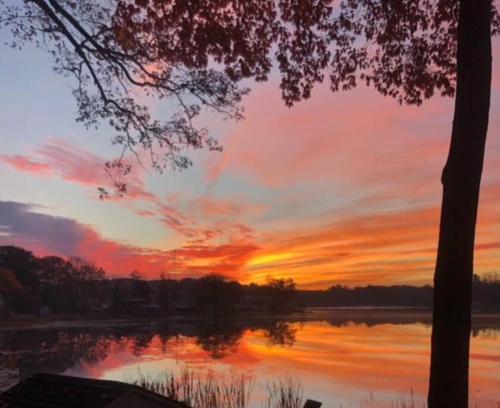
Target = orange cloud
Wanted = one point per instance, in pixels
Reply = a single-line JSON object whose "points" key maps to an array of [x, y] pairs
{"points": [[389, 247]]}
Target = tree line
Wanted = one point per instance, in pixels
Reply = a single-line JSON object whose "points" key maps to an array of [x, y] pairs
{"points": [[51, 284], [485, 295]]}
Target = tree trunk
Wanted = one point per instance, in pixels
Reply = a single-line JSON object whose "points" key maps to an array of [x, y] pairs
{"points": [[461, 182]]}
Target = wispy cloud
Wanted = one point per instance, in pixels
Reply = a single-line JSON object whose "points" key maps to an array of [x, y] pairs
{"points": [[24, 163], [58, 158]]}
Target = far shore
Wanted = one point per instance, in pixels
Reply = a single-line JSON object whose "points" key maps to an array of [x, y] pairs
{"points": [[360, 315]]}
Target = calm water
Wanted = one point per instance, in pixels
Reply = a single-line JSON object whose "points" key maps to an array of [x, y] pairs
{"points": [[358, 358]]}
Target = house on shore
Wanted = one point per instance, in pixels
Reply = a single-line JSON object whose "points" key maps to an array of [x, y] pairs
{"points": [[52, 391]]}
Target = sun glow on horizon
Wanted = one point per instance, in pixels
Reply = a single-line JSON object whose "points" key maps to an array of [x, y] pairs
{"points": [[267, 259]]}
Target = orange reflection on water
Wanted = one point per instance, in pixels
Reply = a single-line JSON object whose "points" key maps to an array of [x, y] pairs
{"points": [[337, 364]]}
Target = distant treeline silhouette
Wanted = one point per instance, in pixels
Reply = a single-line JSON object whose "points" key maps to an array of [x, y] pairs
{"points": [[51, 284], [485, 295], [54, 285], [342, 296]]}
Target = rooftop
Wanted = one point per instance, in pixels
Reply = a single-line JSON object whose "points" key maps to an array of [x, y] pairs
{"points": [[51, 391]]}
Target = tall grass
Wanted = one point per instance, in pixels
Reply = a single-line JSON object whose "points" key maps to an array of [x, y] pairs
{"points": [[407, 401], [285, 393], [403, 400], [200, 390], [209, 390]]}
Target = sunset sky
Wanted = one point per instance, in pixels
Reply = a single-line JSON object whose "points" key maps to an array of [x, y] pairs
{"points": [[340, 189]]}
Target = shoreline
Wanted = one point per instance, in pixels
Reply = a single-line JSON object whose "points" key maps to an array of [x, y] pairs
{"points": [[359, 315]]}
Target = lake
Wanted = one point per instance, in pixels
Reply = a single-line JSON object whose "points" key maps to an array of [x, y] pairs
{"points": [[342, 357]]}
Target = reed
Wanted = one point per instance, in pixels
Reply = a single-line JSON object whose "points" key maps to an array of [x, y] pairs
{"points": [[206, 389], [285, 393], [403, 400], [200, 389]]}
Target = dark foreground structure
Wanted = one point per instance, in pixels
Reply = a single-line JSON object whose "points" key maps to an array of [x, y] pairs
{"points": [[51, 391], [62, 391]]}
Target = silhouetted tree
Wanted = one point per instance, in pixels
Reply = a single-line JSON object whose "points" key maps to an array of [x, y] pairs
{"points": [[55, 281], [85, 271], [116, 296], [109, 67], [21, 262], [57, 284], [140, 288], [8, 281], [23, 265], [164, 292], [283, 294], [54, 270], [218, 294], [9, 286]]}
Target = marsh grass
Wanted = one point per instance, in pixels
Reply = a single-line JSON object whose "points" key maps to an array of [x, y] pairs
{"points": [[200, 389], [403, 400], [407, 401], [285, 393], [206, 389]]}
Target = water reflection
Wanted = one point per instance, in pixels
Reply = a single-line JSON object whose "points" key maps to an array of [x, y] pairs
{"points": [[56, 351], [281, 333], [219, 338], [340, 356]]}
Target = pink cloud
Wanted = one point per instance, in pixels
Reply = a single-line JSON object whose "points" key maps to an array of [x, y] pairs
{"points": [[74, 164], [366, 153], [24, 163], [353, 142]]}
